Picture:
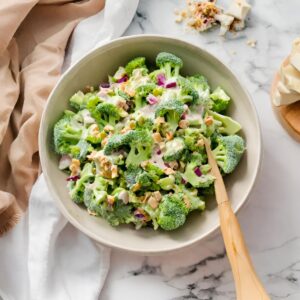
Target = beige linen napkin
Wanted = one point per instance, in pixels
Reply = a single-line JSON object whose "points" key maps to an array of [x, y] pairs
{"points": [[33, 38]]}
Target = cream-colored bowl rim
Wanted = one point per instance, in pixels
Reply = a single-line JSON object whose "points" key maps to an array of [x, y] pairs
{"points": [[74, 221]]}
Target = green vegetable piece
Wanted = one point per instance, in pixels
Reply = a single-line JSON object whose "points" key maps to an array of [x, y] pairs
{"points": [[227, 124], [77, 189], [174, 149], [167, 183], [200, 84], [140, 143], [220, 99], [172, 212], [193, 176], [169, 64], [67, 132], [172, 110], [141, 93], [229, 152], [138, 62]]}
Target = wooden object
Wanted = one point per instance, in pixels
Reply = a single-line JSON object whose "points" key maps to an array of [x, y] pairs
{"points": [[287, 115], [247, 283]]}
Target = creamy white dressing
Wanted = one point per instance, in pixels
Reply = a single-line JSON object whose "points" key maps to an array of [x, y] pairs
{"points": [[157, 159], [147, 111]]}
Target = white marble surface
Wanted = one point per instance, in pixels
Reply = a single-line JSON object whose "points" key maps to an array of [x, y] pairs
{"points": [[271, 219]]}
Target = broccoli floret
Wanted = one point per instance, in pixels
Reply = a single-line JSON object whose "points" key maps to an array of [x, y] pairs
{"points": [[145, 180], [220, 99], [81, 150], [193, 200], [110, 113], [93, 135], [67, 132], [172, 212], [143, 123], [114, 143], [229, 152], [200, 84], [169, 63], [141, 93], [171, 110], [131, 174], [77, 189], [193, 139], [193, 174], [174, 149], [188, 94], [140, 143], [166, 183], [138, 62], [226, 125], [120, 213], [153, 169], [80, 100]]}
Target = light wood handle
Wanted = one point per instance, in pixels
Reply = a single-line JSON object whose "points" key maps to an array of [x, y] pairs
{"points": [[248, 285]]}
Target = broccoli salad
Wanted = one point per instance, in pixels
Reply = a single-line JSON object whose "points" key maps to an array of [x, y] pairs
{"points": [[133, 148]]}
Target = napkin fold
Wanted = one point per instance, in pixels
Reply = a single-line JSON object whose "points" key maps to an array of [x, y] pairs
{"points": [[33, 39], [44, 256]]}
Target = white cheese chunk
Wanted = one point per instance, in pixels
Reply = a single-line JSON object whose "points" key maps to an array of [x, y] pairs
{"points": [[239, 9]]}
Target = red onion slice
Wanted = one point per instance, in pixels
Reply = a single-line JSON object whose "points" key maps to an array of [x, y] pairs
{"points": [[198, 171], [170, 84], [73, 178], [123, 79], [151, 99], [161, 79]]}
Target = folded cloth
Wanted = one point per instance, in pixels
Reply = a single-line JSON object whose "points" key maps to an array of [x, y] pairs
{"points": [[33, 38], [45, 257]]}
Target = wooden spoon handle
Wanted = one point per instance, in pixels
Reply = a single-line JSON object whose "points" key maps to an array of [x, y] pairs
{"points": [[248, 285]]}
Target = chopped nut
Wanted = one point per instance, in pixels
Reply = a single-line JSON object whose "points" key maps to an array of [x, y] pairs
{"points": [[183, 124], [153, 202], [169, 171], [176, 11], [114, 171], [124, 130], [92, 213], [186, 201], [179, 19], [157, 137], [208, 120], [104, 142], [169, 135], [160, 120], [75, 167], [88, 89], [183, 13], [136, 187], [162, 146], [173, 164], [252, 43], [200, 143], [109, 128], [110, 199], [157, 195]]}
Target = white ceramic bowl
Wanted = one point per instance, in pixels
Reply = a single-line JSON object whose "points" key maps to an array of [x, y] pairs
{"points": [[94, 68]]}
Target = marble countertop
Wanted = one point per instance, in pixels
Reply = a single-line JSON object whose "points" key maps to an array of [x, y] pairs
{"points": [[271, 219]]}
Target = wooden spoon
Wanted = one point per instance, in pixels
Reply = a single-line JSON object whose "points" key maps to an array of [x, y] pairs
{"points": [[247, 283]]}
